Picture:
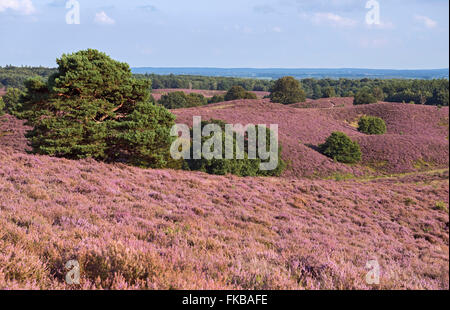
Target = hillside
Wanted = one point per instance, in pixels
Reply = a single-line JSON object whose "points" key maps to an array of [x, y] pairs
{"points": [[131, 228], [156, 229], [417, 135]]}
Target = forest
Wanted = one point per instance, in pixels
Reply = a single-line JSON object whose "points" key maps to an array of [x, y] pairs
{"points": [[429, 92]]}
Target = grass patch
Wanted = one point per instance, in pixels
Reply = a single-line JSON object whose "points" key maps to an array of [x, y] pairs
{"points": [[441, 205]]}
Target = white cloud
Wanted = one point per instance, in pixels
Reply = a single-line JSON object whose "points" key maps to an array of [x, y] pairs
{"points": [[104, 19], [426, 21], [22, 6], [332, 19]]}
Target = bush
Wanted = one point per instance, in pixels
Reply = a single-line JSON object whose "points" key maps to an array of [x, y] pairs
{"points": [[179, 100], [364, 97], [287, 90], [329, 92], [174, 100], [341, 148], [238, 92], [12, 101], [2, 106], [371, 125], [196, 100], [241, 167], [216, 99], [93, 107]]}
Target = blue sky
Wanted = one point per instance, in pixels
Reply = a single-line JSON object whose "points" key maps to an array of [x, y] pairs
{"points": [[412, 34]]}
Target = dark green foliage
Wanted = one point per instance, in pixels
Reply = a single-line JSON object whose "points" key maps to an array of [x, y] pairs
{"points": [[93, 107], [238, 92], [372, 125], [174, 100], [240, 167], [2, 106], [216, 99], [15, 77], [287, 90], [364, 97], [341, 148], [196, 100], [12, 101], [179, 100], [329, 92]]}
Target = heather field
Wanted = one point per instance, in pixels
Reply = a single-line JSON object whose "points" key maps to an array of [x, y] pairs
{"points": [[315, 227], [159, 229], [417, 137]]}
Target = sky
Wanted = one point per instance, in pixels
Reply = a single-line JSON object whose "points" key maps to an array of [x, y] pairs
{"points": [[409, 34]]}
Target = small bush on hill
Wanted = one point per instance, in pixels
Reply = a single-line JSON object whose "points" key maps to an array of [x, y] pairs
{"points": [[371, 125], [341, 148], [240, 167], [329, 92], [238, 92], [179, 100], [2, 106], [196, 100], [93, 107], [12, 101], [364, 97], [216, 99], [287, 90]]}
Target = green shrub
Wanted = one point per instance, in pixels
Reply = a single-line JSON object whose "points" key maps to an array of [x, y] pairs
{"points": [[341, 148], [93, 107], [195, 100], [238, 92], [12, 101], [364, 97], [287, 90], [241, 167], [216, 99], [174, 100], [179, 100], [328, 92], [2, 106], [372, 125]]}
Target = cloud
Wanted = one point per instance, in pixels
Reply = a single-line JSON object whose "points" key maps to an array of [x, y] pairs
{"points": [[21, 6], [426, 21], [373, 43], [332, 19], [103, 19]]}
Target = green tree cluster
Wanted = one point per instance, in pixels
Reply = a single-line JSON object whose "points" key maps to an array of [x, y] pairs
{"points": [[238, 92], [372, 125], [287, 90], [92, 106], [341, 148]]}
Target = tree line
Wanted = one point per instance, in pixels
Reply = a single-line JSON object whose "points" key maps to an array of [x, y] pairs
{"points": [[429, 92]]}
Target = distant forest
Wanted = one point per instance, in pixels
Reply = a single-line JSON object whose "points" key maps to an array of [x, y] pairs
{"points": [[430, 92]]}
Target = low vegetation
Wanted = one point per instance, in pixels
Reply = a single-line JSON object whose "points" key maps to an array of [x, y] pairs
{"points": [[238, 92], [372, 125], [287, 90], [341, 148]]}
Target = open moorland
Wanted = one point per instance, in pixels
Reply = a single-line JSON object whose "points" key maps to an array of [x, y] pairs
{"points": [[314, 228]]}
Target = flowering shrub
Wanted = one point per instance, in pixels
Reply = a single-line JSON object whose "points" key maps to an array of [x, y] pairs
{"points": [[372, 125], [341, 148]]}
